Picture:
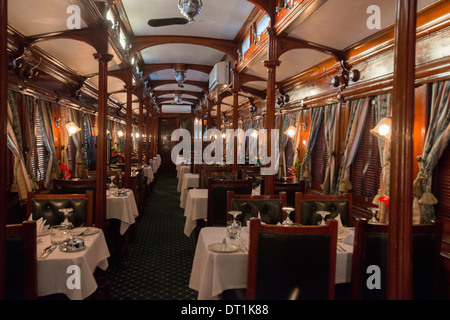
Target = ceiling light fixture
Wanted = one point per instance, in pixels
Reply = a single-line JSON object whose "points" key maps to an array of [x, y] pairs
{"points": [[291, 131], [177, 97], [190, 8]]}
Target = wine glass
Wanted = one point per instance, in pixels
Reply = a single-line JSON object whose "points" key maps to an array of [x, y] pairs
{"points": [[323, 214], [234, 213], [374, 214], [288, 221], [66, 223]]}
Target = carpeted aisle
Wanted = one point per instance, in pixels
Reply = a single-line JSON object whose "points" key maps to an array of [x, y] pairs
{"points": [[161, 255]]}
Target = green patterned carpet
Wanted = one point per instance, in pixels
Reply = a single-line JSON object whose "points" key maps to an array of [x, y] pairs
{"points": [[160, 255]]}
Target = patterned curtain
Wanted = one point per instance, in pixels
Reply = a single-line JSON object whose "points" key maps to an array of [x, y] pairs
{"points": [[358, 115], [305, 170], [64, 140], [437, 138], [45, 115], [382, 109], [22, 184], [74, 116], [331, 114]]}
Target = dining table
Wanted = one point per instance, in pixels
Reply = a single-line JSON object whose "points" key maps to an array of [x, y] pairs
{"points": [[121, 207], [148, 173], [196, 208], [57, 273], [180, 174], [190, 180], [214, 272]]}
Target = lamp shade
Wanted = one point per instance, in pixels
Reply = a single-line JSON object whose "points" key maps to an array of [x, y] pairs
{"points": [[291, 131], [72, 128], [383, 129]]}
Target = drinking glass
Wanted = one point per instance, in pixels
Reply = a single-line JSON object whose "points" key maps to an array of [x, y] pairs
{"points": [[66, 223], [288, 221], [374, 214], [234, 230], [59, 234], [234, 213], [323, 214]]}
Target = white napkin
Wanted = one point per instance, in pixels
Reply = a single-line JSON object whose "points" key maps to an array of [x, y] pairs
{"points": [[340, 225], [350, 238], [40, 224]]}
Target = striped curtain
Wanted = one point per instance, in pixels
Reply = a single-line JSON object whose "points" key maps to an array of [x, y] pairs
{"points": [[331, 114], [382, 108], [437, 138], [305, 170], [64, 140], [22, 183], [45, 115], [74, 116], [358, 115]]}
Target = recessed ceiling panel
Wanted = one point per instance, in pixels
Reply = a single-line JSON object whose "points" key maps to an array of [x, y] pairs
{"points": [[181, 53], [31, 17], [217, 19]]}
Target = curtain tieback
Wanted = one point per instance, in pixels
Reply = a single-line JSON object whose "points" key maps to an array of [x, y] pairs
{"points": [[428, 198]]}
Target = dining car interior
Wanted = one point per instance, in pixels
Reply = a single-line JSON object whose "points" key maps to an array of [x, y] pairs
{"points": [[239, 152]]}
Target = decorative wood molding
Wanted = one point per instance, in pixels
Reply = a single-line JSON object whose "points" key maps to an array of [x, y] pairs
{"points": [[226, 46]]}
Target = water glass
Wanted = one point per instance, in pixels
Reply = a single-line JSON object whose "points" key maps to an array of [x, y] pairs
{"points": [[59, 234], [234, 230]]}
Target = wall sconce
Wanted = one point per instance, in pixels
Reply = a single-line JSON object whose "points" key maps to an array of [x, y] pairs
{"points": [[255, 134], [291, 131], [72, 128], [57, 122], [120, 133], [383, 129], [285, 4]]}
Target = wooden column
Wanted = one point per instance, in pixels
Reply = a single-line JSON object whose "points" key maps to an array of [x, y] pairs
{"points": [[141, 131], [100, 197], [399, 285], [3, 132], [147, 137], [129, 130], [235, 91], [219, 116], [271, 64]]}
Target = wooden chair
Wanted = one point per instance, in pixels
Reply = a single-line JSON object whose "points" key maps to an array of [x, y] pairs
{"points": [[251, 172], [291, 263], [47, 206], [306, 206], [215, 175], [21, 261], [204, 169], [217, 198], [112, 176], [290, 188], [370, 249], [268, 206], [73, 186]]}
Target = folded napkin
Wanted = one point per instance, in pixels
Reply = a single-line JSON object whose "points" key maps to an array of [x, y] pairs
{"points": [[350, 238], [341, 227], [40, 224]]}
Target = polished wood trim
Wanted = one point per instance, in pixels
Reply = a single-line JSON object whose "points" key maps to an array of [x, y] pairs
{"points": [[3, 135], [151, 68], [226, 46], [402, 151]]}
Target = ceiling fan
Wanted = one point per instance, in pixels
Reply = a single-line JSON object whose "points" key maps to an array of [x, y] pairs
{"points": [[188, 8]]}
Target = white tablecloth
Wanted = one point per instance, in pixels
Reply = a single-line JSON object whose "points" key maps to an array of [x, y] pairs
{"points": [[123, 208], [196, 208], [148, 174], [190, 180], [183, 170], [212, 272], [153, 164], [52, 271]]}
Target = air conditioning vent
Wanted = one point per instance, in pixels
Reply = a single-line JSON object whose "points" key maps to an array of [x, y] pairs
{"points": [[219, 78]]}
